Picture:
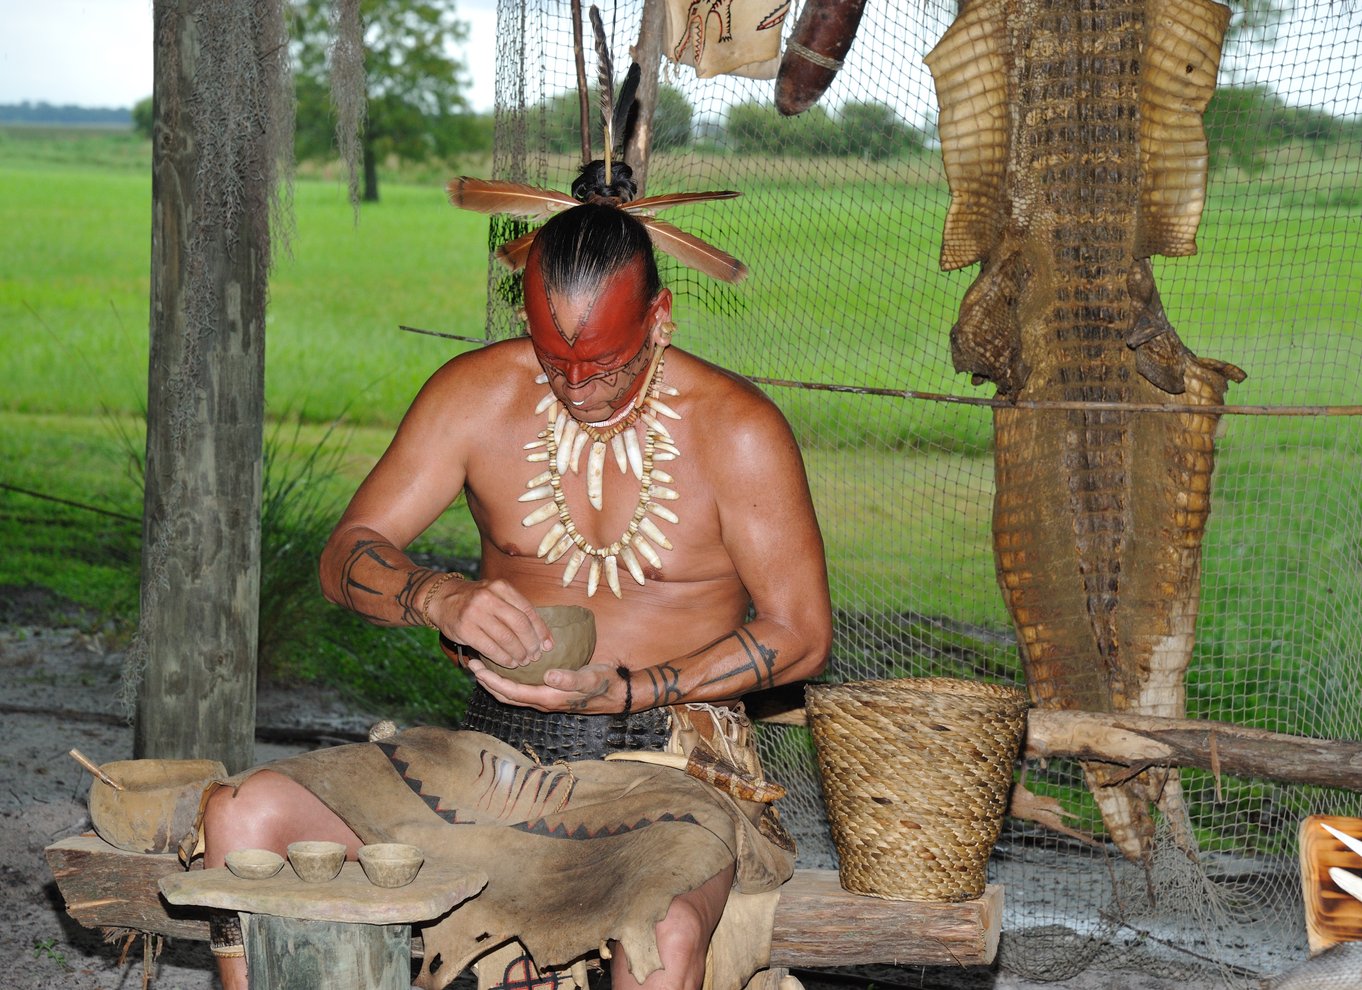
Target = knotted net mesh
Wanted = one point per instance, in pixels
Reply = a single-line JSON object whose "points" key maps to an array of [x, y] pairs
{"points": [[845, 321]]}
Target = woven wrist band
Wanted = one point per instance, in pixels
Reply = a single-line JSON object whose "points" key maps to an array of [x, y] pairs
{"points": [[430, 596]]}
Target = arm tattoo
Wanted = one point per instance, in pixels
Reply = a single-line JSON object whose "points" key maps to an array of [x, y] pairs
{"points": [[361, 598], [412, 614], [760, 664], [665, 680]]}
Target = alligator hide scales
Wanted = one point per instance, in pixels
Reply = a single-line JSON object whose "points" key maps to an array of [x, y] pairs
{"points": [[1073, 142]]}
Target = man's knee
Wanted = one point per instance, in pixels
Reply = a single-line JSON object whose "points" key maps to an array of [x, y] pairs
{"points": [[250, 814]]}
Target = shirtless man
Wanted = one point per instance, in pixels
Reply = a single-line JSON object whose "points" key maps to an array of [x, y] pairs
{"points": [[736, 535]]}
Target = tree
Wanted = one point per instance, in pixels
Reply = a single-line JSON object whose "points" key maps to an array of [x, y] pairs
{"points": [[874, 132], [142, 121], [413, 84]]}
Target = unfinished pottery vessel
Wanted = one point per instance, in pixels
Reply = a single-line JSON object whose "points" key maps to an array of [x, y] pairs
{"points": [[316, 861], [573, 629], [254, 864], [390, 864], [157, 805]]}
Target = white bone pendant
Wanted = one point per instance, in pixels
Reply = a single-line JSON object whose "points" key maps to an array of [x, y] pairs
{"points": [[645, 550], [631, 562], [593, 577], [612, 576], [558, 550], [595, 474], [546, 511], [556, 532], [635, 454], [649, 529], [662, 512], [574, 564]]}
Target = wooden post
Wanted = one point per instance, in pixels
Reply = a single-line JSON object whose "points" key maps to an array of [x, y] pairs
{"points": [[211, 185], [294, 954], [648, 54]]}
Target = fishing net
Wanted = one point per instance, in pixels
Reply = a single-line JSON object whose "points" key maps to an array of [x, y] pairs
{"points": [[845, 322]]}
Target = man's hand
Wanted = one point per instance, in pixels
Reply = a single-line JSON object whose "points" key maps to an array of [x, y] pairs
{"points": [[596, 689], [492, 618]]}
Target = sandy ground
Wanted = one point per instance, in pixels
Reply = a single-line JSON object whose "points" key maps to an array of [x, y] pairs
{"points": [[58, 690]]}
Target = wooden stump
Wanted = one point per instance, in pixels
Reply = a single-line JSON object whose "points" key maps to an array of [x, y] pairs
{"points": [[295, 954]]}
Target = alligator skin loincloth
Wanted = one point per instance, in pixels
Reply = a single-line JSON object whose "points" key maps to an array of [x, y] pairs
{"points": [[622, 837], [553, 736]]}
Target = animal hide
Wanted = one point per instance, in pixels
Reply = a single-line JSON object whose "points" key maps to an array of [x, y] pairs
{"points": [[1074, 148]]}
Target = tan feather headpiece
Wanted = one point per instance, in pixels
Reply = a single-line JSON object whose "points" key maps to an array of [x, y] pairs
{"points": [[494, 196]]}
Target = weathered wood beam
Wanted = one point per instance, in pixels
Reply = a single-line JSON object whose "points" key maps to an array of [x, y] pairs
{"points": [[105, 887], [1141, 741], [820, 924]]}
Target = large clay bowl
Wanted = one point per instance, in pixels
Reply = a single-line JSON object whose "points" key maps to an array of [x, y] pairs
{"points": [[573, 629], [156, 807]]}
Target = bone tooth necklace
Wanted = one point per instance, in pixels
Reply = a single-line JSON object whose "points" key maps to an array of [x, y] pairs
{"points": [[559, 447]]}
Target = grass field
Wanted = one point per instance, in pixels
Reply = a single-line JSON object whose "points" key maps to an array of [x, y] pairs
{"points": [[902, 487]]}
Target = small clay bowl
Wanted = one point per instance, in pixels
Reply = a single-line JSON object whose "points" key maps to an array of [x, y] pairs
{"points": [[316, 862], [390, 864], [254, 864], [573, 630]]}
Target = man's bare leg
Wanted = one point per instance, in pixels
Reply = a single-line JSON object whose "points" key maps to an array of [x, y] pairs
{"points": [[682, 939], [268, 811]]}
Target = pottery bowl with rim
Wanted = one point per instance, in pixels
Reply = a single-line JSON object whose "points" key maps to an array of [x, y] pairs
{"points": [[390, 864], [573, 630], [156, 806], [254, 864], [316, 861]]}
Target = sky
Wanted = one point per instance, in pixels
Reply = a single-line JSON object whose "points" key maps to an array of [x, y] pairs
{"points": [[98, 53]]}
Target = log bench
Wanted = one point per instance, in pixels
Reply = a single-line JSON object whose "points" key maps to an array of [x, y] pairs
{"points": [[817, 923]]}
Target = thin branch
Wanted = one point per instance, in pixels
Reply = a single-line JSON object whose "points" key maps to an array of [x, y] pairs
{"points": [[974, 400]]}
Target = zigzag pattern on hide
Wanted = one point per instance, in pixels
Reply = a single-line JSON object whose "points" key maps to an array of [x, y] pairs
{"points": [[432, 801], [560, 831]]}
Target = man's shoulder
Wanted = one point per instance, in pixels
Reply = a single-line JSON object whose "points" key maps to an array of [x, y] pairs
{"points": [[725, 394], [502, 363]]}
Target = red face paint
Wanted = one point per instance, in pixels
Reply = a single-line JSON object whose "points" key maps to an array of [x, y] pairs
{"points": [[594, 347]]}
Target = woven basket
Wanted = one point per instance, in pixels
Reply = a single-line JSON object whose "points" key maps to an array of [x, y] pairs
{"points": [[916, 773]]}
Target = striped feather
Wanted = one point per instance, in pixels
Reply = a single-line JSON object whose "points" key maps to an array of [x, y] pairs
{"points": [[695, 253], [513, 198]]}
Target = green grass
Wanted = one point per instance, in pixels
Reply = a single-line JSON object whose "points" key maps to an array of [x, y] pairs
{"points": [[902, 487]]}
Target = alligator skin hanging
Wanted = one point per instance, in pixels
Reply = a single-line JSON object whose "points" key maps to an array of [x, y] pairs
{"points": [[1073, 142]]}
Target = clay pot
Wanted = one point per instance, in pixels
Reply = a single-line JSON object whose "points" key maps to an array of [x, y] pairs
{"points": [[156, 807], [390, 864], [254, 864], [316, 861], [573, 629]]}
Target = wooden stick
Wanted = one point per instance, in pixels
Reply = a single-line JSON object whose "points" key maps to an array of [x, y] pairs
{"points": [[583, 99], [996, 403], [93, 767]]}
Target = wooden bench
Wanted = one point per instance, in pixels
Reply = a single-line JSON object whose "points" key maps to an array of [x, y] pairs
{"points": [[817, 924]]}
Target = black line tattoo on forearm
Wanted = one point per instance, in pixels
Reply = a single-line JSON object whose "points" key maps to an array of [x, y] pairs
{"points": [[760, 664], [406, 598], [361, 598], [665, 680]]}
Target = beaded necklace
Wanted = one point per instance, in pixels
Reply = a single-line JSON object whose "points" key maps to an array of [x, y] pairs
{"points": [[559, 447]]}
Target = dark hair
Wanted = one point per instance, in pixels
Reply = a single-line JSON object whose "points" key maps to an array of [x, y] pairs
{"points": [[591, 181], [580, 248]]}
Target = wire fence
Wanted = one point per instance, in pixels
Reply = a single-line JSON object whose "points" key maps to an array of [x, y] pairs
{"points": [[846, 323]]}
